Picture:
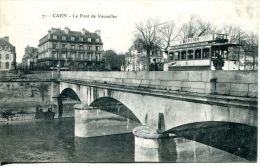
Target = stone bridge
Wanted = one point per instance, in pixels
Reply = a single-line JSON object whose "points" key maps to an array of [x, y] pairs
{"points": [[164, 102], [180, 97]]}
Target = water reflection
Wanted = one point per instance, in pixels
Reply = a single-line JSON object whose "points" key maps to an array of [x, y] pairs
{"points": [[54, 141], [237, 139]]}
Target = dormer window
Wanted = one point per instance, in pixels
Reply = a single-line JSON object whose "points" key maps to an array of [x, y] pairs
{"points": [[63, 38], [89, 39], [81, 39], [55, 37], [72, 38], [97, 40]]}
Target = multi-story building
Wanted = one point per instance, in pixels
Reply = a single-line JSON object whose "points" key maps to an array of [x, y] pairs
{"points": [[137, 59], [30, 57], [7, 54], [72, 50]]}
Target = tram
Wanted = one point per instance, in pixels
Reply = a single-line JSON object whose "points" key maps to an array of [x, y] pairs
{"points": [[200, 52]]}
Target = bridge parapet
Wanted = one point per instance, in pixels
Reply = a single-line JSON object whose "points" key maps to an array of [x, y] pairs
{"points": [[233, 83]]}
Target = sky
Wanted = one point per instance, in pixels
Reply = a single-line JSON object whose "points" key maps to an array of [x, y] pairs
{"points": [[24, 22]]}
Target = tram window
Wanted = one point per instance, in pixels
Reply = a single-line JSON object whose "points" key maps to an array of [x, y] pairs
{"points": [[197, 54], [171, 56], [225, 54], [176, 56], [205, 54], [190, 54], [183, 55]]}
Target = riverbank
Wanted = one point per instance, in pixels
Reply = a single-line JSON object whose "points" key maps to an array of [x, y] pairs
{"points": [[27, 112]]}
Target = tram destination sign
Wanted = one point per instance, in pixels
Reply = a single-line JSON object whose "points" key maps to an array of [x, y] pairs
{"points": [[192, 45], [194, 40]]}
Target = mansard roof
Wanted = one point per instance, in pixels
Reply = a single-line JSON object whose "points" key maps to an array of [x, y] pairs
{"points": [[4, 43]]}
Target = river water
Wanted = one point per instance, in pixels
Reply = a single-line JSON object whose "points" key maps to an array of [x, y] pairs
{"points": [[54, 141]]}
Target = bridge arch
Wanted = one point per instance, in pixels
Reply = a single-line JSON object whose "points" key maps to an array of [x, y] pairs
{"points": [[70, 93], [114, 106], [232, 137]]}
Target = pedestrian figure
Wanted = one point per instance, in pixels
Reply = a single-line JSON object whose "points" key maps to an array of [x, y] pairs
{"points": [[218, 62]]}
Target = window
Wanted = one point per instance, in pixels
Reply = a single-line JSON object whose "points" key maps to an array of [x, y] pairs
{"points": [[176, 56], [81, 55], [72, 38], [197, 54], [89, 48], [63, 38], [81, 47], [89, 39], [205, 54], [97, 48], [183, 55], [81, 39], [97, 40], [7, 56], [0, 64], [89, 55], [7, 65], [54, 45], [72, 47], [54, 37], [63, 46], [190, 54]]}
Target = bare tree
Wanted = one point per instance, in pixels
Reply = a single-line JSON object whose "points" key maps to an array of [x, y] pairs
{"points": [[250, 46], [235, 34], [148, 33], [168, 33], [189, 29], [248, 41], [196, 27]]}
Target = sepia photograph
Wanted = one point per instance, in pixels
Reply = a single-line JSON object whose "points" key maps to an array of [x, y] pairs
{"points": [[134, 81]]}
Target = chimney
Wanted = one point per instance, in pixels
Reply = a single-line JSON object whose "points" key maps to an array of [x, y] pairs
{"points": [[98, 32], [6, 38], [67, 30], [54, 30]]}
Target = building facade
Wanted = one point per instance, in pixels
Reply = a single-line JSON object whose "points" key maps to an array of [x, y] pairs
{"points": [[71, 50], [7, 55], [137, 57], [29, 59]]}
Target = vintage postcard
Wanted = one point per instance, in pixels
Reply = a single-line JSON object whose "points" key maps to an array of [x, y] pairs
{"points": [[134, 81]]}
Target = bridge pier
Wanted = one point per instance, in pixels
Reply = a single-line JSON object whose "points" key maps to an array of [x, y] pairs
{"points": [[82, 114], [152, 146]]}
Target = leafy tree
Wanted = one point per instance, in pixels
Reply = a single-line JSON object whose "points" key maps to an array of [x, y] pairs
{"points": [[113, 61]]}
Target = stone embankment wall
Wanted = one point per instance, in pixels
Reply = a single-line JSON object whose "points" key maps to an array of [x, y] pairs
{"points": [[17, 92], [233, 83]]}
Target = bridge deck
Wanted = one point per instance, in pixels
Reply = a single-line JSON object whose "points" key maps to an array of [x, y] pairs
{"points": [[223, 100]]}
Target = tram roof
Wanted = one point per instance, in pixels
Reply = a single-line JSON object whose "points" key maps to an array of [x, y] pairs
{"points": [[225, 44], [202, 45]]}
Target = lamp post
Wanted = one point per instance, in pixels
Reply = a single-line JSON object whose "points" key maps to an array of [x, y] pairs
{"points": [[59, 49]]}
